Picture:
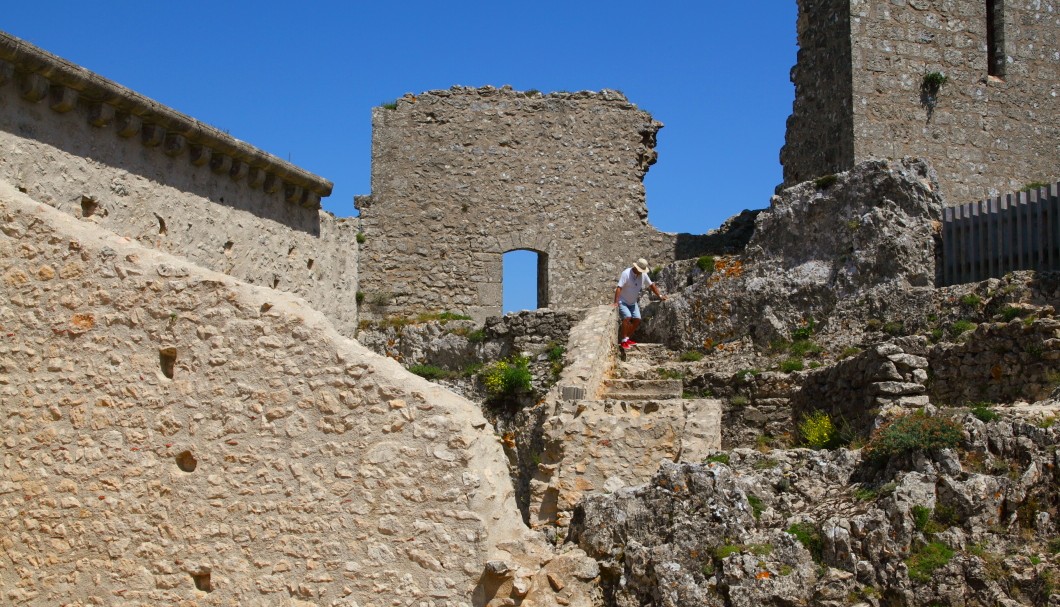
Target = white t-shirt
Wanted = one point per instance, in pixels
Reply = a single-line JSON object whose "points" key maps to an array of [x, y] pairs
{"points": [[631, 285]]}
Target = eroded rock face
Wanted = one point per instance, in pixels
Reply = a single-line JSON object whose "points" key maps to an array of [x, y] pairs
{"points": [[832, 252], [803, 527]]}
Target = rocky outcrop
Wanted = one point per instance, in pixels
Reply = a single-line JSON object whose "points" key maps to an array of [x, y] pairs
{"points": [[830, 251], [970, 526]]}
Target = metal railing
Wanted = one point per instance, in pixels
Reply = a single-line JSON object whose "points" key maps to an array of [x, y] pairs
{"points": [[989, 238]]}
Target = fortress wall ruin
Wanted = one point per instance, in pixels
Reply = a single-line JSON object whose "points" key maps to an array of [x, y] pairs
{"points": [[461, 176], [99, 151], [990, 129], [823, 96], [173, 436]]}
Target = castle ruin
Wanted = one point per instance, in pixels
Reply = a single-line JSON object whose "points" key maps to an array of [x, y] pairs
{"points": [[868, 86], [462, 176], [186, 418]]}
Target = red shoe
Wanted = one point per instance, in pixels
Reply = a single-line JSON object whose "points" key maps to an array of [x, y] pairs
{"points": [[630, 342], [625, 345]]}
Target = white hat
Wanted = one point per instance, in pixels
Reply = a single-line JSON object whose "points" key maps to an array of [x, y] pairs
{"points": [[641, 265]]}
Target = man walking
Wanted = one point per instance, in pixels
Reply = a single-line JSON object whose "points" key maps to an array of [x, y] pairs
{"points": [[630, 283]]}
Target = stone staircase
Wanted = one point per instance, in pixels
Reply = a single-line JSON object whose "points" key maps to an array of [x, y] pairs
{"points": [[596, 445]]}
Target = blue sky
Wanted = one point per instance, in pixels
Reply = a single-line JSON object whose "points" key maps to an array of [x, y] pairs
{"points": [[299, 80]]}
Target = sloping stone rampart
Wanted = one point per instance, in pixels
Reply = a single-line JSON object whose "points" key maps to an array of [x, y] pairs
{"points": [[99, 151], [859, 85], [173, 436], [461, 176]]}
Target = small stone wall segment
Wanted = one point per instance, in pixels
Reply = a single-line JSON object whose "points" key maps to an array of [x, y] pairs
{"points": [[998, 363], [173, 436], [820, 136], [984, 135], [591, 350], [461, 176], [234, 221], [854, 391]]}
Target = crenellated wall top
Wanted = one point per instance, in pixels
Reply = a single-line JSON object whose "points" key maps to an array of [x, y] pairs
{"points": [[41, 75]]}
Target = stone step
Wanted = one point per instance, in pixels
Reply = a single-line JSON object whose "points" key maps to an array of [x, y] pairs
{"points": [[645, 352], [642, 389]]}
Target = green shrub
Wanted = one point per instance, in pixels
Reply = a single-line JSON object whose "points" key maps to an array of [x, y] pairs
{"points": [[802, 347], [865, 494], [791, 364], [745, 375], [894, 327], [1034, 185], [670, 373], [818, 431], [958, 327], [804, 332], [756, 505], [984, 412], [910, 433], [555, 354], [359, 297], [506, 378], [1011, 312], [392, 105], [926, 559], [739, 400], [429, 371], [850, 351], [726, 550], [971, 300], [361, 238], [921, 517], [721, 458], [691, 356], [706, 263], [476, 336], [933, 81], [809, 537], [824, 182]]}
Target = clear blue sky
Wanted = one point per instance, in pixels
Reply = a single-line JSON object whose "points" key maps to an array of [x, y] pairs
{"points": [[299, 80]]}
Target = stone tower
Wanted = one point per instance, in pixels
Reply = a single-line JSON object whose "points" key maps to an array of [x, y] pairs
{"points": [[863, 90]]}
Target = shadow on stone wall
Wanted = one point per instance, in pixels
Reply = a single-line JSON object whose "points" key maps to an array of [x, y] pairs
{"points": [[729, 239]]}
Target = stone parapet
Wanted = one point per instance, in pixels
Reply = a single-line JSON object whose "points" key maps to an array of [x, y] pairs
{"points": [[41, 76]]}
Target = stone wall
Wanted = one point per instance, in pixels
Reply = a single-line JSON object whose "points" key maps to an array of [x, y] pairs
{"points": [[461, 176], [855, 390], [820, 136], [998, 363], [99, 151], [173, 436], [985, 135]]}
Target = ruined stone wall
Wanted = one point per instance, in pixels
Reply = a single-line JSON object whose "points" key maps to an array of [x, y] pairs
{"points": [[99, 151], [820, 139], [173, 436], [985, 135], [998, 363], [461, 176]]}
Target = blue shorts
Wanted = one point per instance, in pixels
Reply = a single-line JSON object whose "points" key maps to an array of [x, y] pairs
{"points": [[629, 310]]}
